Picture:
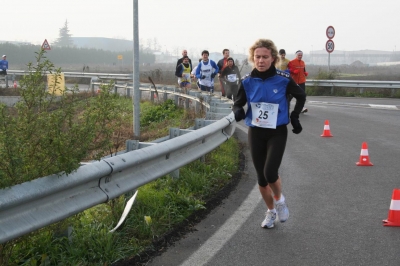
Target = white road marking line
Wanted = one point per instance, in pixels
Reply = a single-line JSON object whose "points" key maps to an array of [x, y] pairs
{"points": [[217, 241], [318, 106], [383, 106]]}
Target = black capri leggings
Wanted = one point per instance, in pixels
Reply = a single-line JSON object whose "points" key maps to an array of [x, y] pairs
{"points": [[267, 146]]}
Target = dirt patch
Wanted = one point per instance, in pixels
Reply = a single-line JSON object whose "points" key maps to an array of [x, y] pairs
{"points": [[161, 244]]}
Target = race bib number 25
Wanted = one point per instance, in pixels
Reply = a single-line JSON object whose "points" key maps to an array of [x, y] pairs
{"points": [[264, 114]]}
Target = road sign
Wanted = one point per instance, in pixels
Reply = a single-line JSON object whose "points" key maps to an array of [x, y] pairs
{"points": [[330, 32], [45, 45], [329, 46]]}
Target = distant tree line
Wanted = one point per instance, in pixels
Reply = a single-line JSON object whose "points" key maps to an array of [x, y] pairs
{"points": [[25, 53]]}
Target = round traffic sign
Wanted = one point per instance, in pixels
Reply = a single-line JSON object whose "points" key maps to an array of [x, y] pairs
{"points": [[330, 32], [329, 46]]}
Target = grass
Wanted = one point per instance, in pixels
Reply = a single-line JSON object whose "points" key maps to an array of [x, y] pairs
{"points": [[160, 207]]}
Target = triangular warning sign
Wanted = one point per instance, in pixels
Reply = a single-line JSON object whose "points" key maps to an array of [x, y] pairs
{"points": [[45, 45]]}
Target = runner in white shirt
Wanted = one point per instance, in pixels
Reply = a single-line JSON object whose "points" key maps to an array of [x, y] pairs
{"points": [[205, 72]]}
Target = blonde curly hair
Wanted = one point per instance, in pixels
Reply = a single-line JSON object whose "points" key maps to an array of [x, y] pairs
{"points": [[267, 44]]}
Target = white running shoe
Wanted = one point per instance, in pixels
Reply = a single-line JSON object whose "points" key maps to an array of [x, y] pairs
{"points": [[282, 210], [269, 220], [305, 110]]}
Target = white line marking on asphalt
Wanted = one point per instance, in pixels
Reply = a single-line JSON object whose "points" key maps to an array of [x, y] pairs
{"points": [[315, 105], [217, 241], [316, 102], [384, 106]]}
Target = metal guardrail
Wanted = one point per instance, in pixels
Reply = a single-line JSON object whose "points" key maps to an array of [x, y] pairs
{"points": [[32, 205], [360, 84], [4, 79], [355, 83], [78, 74]]}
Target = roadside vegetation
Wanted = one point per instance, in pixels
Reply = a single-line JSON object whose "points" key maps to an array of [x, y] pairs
{"points": [[160, 206], [52, 130], [48, 133]]}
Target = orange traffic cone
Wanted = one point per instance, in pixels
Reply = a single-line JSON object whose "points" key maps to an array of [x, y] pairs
{"points": [[394, 210], [364, 157], [327, 130], [15, 84]]}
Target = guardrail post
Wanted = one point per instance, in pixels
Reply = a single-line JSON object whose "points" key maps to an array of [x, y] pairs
{"points": [[165, 95], [187, 100], [361, 90], [132, 145], [6, 81], [173, 133], [64, 232], [332, 90], [115, 88], [152, 96], [393, 93], [199, 123]]}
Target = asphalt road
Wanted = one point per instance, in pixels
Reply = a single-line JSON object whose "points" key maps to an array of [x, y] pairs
{"points": [[336, 207]]}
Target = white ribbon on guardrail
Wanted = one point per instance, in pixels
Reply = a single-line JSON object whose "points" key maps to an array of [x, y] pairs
{"points": [[126, 211]]}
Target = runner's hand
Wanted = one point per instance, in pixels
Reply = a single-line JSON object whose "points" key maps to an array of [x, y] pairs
{"points": [[239, 114]]}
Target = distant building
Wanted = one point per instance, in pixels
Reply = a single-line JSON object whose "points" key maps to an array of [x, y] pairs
{"points": [[17, 43], [366, 57], [101, 43]]}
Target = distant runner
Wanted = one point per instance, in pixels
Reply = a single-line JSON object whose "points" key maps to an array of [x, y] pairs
{"points": [[206, 71], [298, 72], [231, 76]]}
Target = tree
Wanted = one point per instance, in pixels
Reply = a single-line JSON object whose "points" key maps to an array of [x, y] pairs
{"points": [[65, 39]]}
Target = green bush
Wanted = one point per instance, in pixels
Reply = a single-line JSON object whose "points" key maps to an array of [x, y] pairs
{"points": [[157, 113], [52, 131]]}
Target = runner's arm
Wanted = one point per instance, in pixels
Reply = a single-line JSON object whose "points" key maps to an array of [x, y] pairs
{"points": [[295, 90], [240, 100], [179, 71]]}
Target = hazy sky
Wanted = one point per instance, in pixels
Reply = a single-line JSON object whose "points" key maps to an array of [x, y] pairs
{"points": [[211, 24]]}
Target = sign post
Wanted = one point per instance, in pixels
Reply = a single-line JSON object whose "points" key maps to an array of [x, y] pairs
{"points": [[330, 45], [135, 72]]}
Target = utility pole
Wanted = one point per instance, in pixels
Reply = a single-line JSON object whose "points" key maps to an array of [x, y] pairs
{"points": [[135, 74]]}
